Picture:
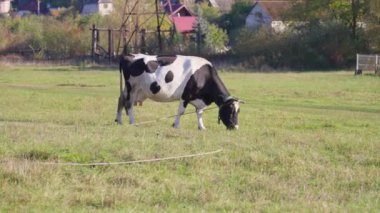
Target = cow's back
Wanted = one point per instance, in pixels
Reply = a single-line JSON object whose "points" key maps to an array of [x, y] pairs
{"points": [[172, 78]]}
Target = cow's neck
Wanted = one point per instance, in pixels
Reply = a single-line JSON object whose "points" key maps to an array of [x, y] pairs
{"points": [[219, 92]]}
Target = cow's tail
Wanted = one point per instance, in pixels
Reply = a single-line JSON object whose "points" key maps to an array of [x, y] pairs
{"points": [[121, 80]]}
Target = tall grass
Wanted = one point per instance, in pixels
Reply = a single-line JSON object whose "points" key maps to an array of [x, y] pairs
{"points": [[307, 142]]}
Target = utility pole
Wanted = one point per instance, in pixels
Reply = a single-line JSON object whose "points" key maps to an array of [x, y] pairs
{"points": [[133, 25], [158, 28], [355, 4]]}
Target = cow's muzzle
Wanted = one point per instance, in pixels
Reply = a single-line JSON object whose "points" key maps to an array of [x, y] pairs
{"points": [[235, 127]]}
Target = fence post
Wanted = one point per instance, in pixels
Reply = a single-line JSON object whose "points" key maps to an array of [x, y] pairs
{"points": [[143, 42], [125, 47], [93, 42], [110, 46], [357, 70], [377, 64], [198, 37]]}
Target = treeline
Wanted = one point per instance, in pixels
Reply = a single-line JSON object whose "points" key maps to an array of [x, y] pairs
{"points": [[323, 34]]}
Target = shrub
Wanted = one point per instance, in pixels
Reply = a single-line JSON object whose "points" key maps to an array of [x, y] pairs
{"points": [[63, 40], [305, 47], [44, 37]]}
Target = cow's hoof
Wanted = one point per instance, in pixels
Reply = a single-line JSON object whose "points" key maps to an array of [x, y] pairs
{"points": [[175, 126], [118, 122], [201, 128]]}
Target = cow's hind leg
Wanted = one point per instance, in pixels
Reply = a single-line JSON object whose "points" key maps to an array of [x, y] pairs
{"points": [[181, 111], [119, 111], [129, 106], [122, 103]]}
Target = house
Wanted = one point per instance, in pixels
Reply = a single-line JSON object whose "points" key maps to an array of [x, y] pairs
{"points": [[103, 7], [27, 7], [5, 7], [223, 6], [268, 13], [182, 18]]}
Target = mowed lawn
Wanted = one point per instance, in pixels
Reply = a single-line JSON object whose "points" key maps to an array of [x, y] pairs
{"points": [[308, 142]]}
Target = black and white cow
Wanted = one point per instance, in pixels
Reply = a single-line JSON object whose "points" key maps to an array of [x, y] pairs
{"points": [[189, 79]]}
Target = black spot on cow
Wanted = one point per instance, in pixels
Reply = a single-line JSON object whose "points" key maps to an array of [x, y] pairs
{"points": [[137, 67], [151, 66], [169, 77], [166, 59], [206, 85], [155, 88]]}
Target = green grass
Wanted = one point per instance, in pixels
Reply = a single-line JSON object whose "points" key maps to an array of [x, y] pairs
{"points": [[308, 142]]}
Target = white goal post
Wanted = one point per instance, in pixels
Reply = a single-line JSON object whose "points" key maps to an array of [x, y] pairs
{"points": [[367, 62]]}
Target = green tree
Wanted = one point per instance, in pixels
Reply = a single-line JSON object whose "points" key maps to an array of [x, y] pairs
{"points": [[216, 39], [209, 37], [373, 25], [235, 19], [211, 14], [347, 12]]}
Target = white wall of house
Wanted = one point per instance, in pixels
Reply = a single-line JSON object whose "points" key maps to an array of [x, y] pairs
{"points": [[103, 8], [5, 7], [258, 17]]}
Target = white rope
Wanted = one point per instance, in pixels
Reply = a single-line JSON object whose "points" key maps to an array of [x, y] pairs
{"points": [[167, 117], [131, 162]]}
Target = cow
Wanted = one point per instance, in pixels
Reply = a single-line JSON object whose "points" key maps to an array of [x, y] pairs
{"points": [[189, 79]]}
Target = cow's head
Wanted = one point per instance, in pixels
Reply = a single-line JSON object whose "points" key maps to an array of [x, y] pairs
{"points": [[228, 113]]}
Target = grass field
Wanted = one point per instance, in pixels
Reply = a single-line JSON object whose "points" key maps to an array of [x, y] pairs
{"points": [[308, 142]]}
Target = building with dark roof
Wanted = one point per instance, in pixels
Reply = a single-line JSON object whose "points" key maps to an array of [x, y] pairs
{"points": [[182, 18], [103, 7], [268, 13]]}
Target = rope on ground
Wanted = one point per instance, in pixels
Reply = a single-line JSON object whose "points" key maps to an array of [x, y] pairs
{"points": [[131, 162]]}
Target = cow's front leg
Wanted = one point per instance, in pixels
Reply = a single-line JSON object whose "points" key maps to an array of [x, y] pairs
{"points": [[181, 111], [201, 126], [200, 106]]}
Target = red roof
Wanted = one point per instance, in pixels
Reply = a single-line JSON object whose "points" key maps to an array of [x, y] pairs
{"points": [[184, 23]]}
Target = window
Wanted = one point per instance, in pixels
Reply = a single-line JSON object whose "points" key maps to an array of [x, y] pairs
{"points": [[259, 15], [105, 6]]}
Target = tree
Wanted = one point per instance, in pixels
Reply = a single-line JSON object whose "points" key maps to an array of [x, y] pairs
{"points": [[347, 12], [209, 37], [211, 14], [373, 25], [235, 19]]}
